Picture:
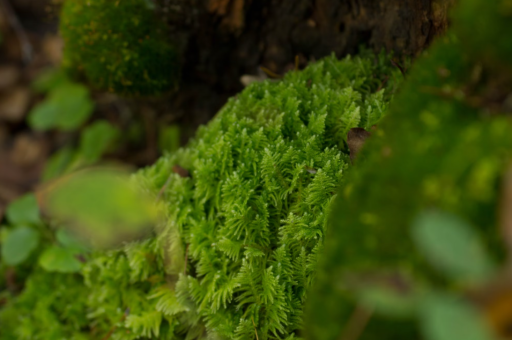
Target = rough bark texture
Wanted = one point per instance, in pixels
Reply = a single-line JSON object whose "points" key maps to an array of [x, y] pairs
{"points": [[225, 39]]}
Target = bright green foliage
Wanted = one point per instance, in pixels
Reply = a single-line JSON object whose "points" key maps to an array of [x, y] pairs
{"points": [[442, 146], [18, 245], [239, 246], [66, 107], [23, 210], [252, 218], [96, 139], [119, 45], [51, 306], [95, 202]]}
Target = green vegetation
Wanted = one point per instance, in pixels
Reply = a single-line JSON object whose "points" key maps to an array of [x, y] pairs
{"points": [[246, 205], [444, 145], [120, 46], [68, 107]]}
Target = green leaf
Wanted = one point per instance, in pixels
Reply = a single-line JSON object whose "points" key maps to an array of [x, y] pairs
{"points": [[74, 105], [96, 140], [24, 210], [66, 108], [451, 245], [49, 80], [447, 318], [58, 259], [388, 302], [44, 115], [67, 240], [18, 245], [58, 163], [101, 206]]}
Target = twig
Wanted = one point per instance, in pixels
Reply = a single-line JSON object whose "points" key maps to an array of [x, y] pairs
{"points": [[382, 83], [26, 47], [357, 323], [255, 331], [398, 66], [506, 212], [176, 169], [162, 190], [111, 331], [270, 73]]}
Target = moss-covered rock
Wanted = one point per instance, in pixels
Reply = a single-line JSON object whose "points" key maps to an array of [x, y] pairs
{"points": [[238, 251], [445, 144], [119, 46]]}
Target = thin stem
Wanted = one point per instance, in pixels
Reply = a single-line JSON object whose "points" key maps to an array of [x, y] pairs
{"points": [[357, 323], [255, 331]]}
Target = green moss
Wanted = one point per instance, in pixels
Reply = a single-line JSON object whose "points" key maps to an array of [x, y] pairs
{"points": [[120, 46], [252, 217], [238, 251], [51, 306], [440, 146], [483, 28]]}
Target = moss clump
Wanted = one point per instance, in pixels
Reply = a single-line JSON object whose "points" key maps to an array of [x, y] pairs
{"points": [[120, 46], [443, 145], [483, 28], [52, 306], [240, 246]]}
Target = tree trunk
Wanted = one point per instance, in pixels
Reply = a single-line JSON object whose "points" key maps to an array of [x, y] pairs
{"points": [[222, 40]]}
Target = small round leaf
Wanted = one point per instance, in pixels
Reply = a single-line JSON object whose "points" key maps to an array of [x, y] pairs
{"points": [[58, 259], [18, 245]]}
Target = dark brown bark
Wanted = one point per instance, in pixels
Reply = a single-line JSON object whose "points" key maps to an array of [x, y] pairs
{"points": [[225, 39]]}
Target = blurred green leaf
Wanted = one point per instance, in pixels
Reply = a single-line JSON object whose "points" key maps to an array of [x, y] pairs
{"points": [[24, 210], [69, 241], [67, 107], [58, 163], [451, 245], [444, 317], [75, 105], [58, 259], [44, 115], [169, 138], [96, 140], [49, 80], [389, 302], [101, 206], [18, 245]]}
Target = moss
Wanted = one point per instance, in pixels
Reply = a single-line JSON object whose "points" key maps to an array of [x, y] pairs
{"points": [[442, 145], [238, 251], [119, 46], [483, 28], [252, 217], [50, 307]]}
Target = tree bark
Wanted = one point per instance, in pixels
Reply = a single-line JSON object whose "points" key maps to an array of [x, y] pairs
{"points": [[221, 40]]}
